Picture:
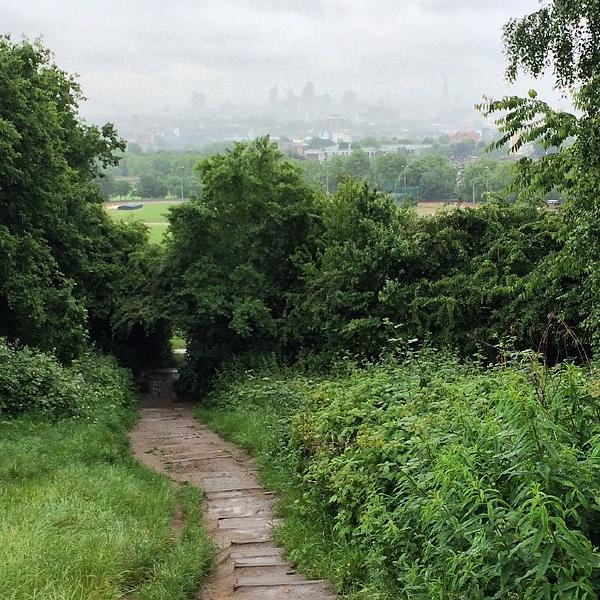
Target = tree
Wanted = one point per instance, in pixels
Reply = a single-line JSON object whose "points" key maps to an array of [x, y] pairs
{"points": [[58, 261], [483, 176], [562, 37], [152, 185], [231, 255], [435, 176], [387, 169]]}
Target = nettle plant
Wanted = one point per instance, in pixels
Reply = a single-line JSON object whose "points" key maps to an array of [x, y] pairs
{"points": [[455, 483]]}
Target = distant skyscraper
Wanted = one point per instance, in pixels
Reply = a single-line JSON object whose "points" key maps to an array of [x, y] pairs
{"points": [[335, 123], [308, 93], [349, 101], [198, 102], [307, 101], [273, 97]]}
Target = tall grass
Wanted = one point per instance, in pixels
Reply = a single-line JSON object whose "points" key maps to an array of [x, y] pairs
{"points": [[79, 517]]}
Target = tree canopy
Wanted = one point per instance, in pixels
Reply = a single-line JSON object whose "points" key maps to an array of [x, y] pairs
{"points": [[64, 264]]}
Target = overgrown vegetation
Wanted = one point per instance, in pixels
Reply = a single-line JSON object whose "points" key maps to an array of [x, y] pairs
{"points": [[430, 478], [79, 517], [263, 264]]}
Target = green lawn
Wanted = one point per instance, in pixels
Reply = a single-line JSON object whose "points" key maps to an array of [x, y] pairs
{"points": [[157, 231], [153, 214]]}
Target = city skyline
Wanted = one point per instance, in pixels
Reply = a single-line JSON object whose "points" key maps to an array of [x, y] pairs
{"points": [[148, 57]]}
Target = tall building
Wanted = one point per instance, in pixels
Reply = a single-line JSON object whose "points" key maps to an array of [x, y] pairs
{"points": [[273, 97], [335, 124], [349, 101]]}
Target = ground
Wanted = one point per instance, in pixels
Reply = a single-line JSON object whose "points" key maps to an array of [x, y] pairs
{"points": [[154, 214], [238, 512]]}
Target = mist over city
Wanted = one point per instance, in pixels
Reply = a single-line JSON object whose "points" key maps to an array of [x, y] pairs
{"points": [[176, 75]]}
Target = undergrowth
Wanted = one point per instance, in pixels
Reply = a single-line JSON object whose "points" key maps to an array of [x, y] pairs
{"points": [[79, 517], [432, 478]]}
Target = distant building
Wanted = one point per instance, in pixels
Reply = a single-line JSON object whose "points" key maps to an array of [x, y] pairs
{"points": [[292, 148], [335, 124], [273, 98], [462, 136]]}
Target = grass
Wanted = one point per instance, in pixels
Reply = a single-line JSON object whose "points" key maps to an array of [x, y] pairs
{"points": [[79, 518], [423, 478], [153, 214], [157, 231]]}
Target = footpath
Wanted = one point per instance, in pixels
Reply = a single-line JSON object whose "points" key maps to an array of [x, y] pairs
{"points": [[237, 511]]}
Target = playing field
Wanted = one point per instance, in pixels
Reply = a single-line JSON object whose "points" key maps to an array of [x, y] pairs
{"points": [[152, 214]]}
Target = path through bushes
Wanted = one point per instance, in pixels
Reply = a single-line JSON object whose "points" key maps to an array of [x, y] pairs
{"points": [[238, 512]]}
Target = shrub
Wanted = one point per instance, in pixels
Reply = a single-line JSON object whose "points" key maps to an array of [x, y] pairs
{"points": [[444, 480], [34, 382]]}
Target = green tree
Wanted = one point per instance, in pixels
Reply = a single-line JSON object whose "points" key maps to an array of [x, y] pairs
{"points": [[152, 185], [231, 255], [434, 175], [58, 257], [387, 169], [561, 37], [483, 176]]}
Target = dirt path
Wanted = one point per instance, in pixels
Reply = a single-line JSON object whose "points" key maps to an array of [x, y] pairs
{"points": [[237, 511]]}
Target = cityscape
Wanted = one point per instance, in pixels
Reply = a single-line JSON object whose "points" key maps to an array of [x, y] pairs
{"points": [[297, 117]]}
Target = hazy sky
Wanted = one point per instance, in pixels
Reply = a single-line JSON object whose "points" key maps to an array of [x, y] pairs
{"points": [[136, 56]]}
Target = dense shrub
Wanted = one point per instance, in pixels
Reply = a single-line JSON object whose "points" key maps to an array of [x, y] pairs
{"points": [[36, 383], [444, 480]]}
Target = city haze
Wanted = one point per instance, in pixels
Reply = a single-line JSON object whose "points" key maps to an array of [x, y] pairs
{"points": [[146, 57]]}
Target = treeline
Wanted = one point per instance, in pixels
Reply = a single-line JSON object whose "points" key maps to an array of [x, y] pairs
{"points": [[69, 276], [430, 176], [264, 263], [154, 174]]}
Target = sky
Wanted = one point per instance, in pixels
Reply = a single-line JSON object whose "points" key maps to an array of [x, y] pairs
{"points": [[142, 56]]}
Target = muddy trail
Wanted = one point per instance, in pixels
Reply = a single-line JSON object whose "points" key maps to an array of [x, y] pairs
{"points": [[237, 511]]}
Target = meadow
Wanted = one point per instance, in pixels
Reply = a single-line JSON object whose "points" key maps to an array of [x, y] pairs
{"points": [[79, 517]]}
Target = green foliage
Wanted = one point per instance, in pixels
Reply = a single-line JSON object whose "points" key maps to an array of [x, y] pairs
{"points": [[79, 518], [155, 174], [432, 478], [230, 255], [484, 177], [560, 37], [35, 383], [463, 278], [434, 175], [64, 266]]}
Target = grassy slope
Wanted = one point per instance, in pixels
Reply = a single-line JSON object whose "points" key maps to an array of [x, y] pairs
{"points": [[79, 518], [154, 214]]}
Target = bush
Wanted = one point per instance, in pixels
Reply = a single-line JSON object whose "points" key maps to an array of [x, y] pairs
{"points": [[443, 480], [36, 383]]}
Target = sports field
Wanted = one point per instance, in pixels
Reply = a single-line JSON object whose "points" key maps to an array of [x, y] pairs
{"points": [[153, 214]]}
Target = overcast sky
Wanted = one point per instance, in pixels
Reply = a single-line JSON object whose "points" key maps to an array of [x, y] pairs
{"points": [[142, 55]]}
